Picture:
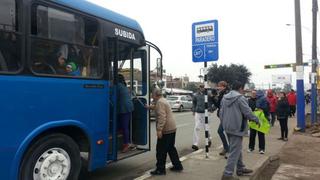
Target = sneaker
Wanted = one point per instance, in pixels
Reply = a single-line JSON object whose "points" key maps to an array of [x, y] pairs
{"points": [[176, 169], [157, 172], [280, 138], [223, 152], [285, 139], [261, 152], [249, 150], [225, 177], [133, 147], [195, 148], [244, 171]]}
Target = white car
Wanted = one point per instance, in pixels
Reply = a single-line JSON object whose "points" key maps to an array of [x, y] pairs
{"points": [[180, 102]]}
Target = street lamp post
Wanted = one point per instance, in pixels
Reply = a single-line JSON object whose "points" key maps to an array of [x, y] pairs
{"points": [[201, 76], [314, 62], [299, 69]]}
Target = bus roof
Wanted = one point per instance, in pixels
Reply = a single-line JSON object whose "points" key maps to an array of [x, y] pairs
{"points": [[101, 12]]}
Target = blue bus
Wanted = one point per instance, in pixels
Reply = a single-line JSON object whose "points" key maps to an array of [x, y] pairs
{"points": [[59, 67]]}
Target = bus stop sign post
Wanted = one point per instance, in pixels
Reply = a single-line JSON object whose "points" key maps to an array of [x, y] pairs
{"points": [[204, 49]]}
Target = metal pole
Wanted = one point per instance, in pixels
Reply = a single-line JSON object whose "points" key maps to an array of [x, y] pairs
{"points": [[205, 72], [314, 63], [299, 69], [171, 84]]}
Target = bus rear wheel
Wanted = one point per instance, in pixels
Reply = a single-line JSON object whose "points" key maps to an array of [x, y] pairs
{"points": [[55, 156]]}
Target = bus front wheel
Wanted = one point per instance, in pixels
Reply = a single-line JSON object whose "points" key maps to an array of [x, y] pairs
{"points": [[55, 156]]}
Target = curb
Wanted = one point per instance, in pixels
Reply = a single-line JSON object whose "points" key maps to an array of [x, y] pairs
{"points": [[260, 166], [147, 174]]}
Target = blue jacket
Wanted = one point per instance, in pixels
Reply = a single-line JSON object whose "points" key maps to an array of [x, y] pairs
{"points": [[125, 104], [262, 103], [75, 73]]}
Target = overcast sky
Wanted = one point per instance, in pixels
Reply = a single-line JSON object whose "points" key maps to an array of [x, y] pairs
{"points": [[251, 32]]}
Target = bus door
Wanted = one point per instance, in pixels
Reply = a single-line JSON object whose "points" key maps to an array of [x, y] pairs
{"points": [[140, 87], [133, 64]]}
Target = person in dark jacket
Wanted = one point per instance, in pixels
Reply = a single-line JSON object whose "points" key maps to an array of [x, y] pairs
{"points": [[252, 104], [223, 89], [261, 103], [253, 100], [125, 108], [283, 111]]}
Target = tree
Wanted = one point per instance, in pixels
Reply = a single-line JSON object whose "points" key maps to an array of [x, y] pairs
{"points": [[251, 86], [191, 86], [230, 74]]}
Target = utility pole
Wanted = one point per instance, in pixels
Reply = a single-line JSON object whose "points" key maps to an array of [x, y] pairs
{"points": [[314, 62], [299, 69]]}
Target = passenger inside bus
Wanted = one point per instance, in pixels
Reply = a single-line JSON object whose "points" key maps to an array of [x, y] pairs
{"points": [[66, 55], [9, 57], [125, 109], [72, 69]]}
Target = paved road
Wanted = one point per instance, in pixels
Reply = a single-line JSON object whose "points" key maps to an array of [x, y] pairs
{"points": [[136, 166]]}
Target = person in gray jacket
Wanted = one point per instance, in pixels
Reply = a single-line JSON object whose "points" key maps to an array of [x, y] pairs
{"points": [[198, 111], [234, 113]]}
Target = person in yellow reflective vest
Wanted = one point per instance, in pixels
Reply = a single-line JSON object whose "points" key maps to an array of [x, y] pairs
{"points": [[262, 109]]}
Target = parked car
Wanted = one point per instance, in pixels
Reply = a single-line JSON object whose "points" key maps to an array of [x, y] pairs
{"points": [[180, 102]]}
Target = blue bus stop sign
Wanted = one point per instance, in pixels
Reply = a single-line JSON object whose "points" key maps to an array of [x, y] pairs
{"points": [[205, 41]]}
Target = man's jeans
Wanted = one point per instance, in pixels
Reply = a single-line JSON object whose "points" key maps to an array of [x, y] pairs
{"points": [[223, 138]]}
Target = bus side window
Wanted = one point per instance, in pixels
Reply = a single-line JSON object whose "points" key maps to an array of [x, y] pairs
{"points": [[91, 65], [10, 40], [65, 44]]}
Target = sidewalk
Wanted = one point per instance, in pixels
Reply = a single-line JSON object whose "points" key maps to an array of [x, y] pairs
{"points": [[197, 167]]}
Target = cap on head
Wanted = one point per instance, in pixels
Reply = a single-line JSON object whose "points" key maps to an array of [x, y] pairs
{"points": [[72, 66]]}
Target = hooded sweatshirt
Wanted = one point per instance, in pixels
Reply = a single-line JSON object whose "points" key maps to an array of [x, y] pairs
{"points": [[262, 103], [234, 113], [272, 101]]}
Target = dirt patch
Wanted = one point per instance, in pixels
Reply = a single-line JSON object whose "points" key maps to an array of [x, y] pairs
{"points": [[269, 170], [302, 149]]}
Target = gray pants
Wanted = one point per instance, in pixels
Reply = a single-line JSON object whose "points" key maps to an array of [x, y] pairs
{"points": [[235, 155]]}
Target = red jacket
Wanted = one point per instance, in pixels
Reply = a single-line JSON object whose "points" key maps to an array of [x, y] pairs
{"points": [[272, 103], [292, 99]]}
